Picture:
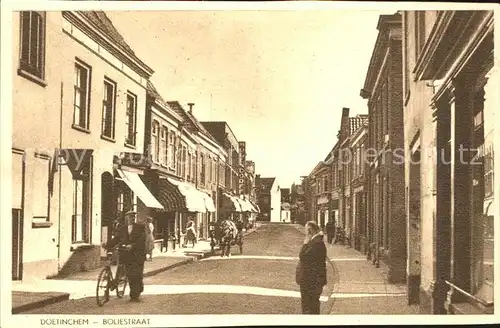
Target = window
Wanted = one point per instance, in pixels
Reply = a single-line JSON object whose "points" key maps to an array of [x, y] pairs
{"points": [[82, 95], [41, 198], [108, 109], [130, 138], [80, 224], [171, 150], [184, 161], [32, 45], [155, 141], [125, 200], [202, 174], [164, 146], [419, 32], [193, 167], [214, 172], [189, 167]]}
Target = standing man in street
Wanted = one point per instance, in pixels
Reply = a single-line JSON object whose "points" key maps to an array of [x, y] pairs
{"points": [[311, 269], [330, 230], [132, 234]]}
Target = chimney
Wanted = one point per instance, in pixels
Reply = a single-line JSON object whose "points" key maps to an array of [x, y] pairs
{"points": [[345, 111], [191, 107]]}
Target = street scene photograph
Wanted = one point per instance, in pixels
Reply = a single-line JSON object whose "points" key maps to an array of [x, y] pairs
{"points": [[335, 161]]}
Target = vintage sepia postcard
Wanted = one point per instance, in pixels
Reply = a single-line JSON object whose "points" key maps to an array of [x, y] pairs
{"points": [[199, 163]]}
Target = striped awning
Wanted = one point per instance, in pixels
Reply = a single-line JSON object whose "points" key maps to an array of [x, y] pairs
{"points": [[135, 184], [255, 207], [230, 203], [245, 205], [209, 202], [178, 196]]}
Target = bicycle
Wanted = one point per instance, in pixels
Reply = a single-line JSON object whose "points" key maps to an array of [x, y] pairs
{"points": [[106, 282]]}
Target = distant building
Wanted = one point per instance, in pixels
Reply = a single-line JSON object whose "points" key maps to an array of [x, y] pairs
{"points": [[285, 205], [269, 198]]}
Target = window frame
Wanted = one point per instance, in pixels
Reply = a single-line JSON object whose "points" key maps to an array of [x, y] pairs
{"points": [[155, 135], [79, 64], [164, 145], [131, 128], [202, 169], [110, 82], [35, 73]]}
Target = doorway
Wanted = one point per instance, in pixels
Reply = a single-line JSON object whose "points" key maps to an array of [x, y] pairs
{"points": [[108, 207]]}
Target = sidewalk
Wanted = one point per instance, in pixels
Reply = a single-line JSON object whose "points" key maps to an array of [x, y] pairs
{"points": [[35, 293], [361, 288]]}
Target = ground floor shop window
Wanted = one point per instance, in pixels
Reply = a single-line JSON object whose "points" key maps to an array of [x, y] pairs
{"points": [[483, 188], [125, 200]]}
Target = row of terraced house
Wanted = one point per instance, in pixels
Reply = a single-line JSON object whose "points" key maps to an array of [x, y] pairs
{"points": [[411, 183], [99, 141]]}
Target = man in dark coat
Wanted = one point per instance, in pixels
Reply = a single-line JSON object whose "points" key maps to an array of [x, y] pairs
{"points": [[132, 235], [330, 230], [311, 270]]}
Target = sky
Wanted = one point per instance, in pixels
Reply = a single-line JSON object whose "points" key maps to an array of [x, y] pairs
{"points": [[279, 78]]}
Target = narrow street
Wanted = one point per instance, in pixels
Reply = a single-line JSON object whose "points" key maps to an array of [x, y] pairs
{"points": [[261, 281]]}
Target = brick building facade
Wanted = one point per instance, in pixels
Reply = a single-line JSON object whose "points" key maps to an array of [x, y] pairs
{"points": [[383, 90]]}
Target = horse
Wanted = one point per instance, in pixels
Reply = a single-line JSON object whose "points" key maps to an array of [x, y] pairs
{"points": [[228, 234]]}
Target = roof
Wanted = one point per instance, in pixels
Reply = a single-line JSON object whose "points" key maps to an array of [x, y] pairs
{"points": [[218, 126], [356, 122], [101, 21], [192, 122], [384, 22], [264, 184]]}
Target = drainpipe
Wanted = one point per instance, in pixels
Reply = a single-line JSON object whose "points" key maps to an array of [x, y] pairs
{"points": [[60, 185]]}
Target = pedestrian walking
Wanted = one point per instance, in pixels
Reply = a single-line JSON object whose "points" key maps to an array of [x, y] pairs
{"points": [[132, 235], [311, 269], [330, 230], [190, 233], [150, 239]]}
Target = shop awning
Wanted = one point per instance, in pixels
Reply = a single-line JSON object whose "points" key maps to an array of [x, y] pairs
{"points": [[135, 184], [255, 207], [231, 203], [209, 202], [178, 196], [245, 205]]}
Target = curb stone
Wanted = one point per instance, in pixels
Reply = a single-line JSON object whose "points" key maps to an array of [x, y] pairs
{"points": [[41, 303]]}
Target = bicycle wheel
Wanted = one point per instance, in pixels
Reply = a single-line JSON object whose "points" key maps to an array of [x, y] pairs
{"points": [[121, 281], [103, 284]]}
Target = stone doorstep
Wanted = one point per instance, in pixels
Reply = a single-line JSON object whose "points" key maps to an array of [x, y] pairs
{"points": [[37, 300]]}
